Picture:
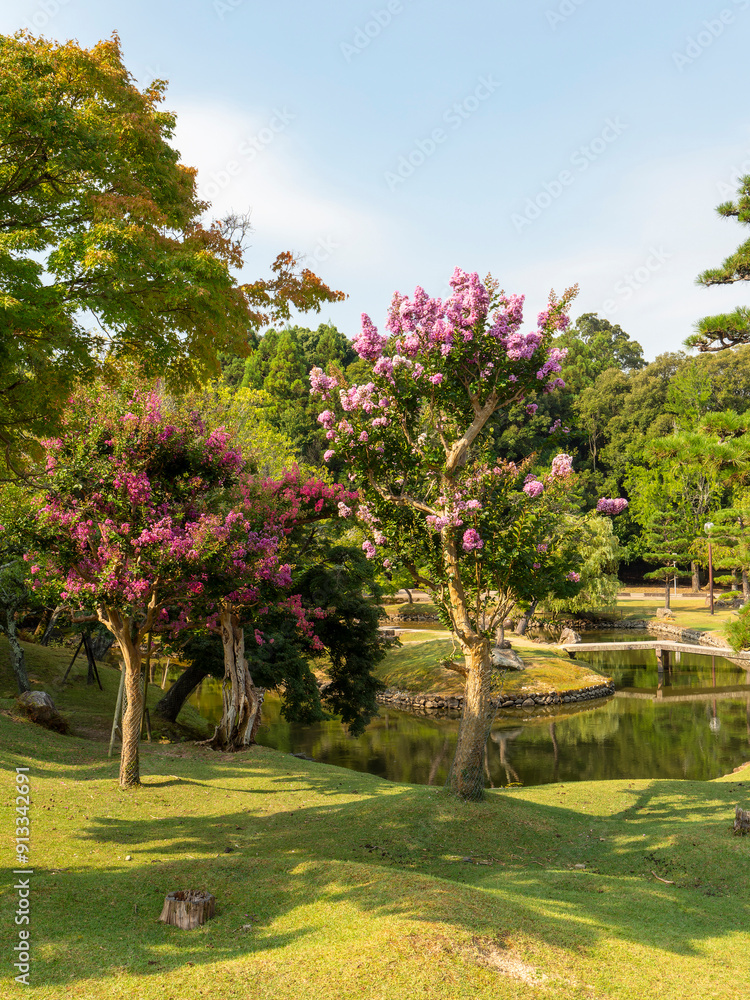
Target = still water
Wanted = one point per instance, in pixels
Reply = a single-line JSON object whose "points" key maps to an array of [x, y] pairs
{"points": [[690, 722]]}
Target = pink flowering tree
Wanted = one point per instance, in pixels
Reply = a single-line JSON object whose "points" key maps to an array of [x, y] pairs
{"points": [[414, 440], [141, 512], [241, 583]]}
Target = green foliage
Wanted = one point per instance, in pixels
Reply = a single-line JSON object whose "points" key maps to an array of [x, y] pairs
{"points": [[100, 223], [716, 333], [600, 553], [102, 249], [279, 366]]}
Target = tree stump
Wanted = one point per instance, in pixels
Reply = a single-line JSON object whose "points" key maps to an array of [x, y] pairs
{"points": [[742, 821], [188, 908]]}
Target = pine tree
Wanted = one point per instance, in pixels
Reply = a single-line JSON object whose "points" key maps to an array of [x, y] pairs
{"points": [[667, 542], [716, 333]]}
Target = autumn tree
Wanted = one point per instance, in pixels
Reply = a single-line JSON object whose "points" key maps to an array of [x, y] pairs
{"points": [[103, 252]]}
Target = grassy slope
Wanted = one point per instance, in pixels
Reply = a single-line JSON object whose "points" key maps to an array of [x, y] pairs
{"points": [[351, 886], [88, 709]]}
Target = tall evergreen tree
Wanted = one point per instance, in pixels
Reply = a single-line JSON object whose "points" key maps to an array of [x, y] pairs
{"points": [[716, 333]]}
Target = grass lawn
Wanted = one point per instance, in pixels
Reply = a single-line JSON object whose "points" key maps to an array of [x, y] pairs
{"points": [[689, 612], [336, 884], [415, 667]]}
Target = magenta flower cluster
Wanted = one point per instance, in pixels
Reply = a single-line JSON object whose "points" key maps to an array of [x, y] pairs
{"points": [[611, 506]]}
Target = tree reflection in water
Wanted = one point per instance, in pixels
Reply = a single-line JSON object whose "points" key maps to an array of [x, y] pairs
{"points": [[656, 726]]}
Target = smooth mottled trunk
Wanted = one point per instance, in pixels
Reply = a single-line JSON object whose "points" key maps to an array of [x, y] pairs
{"points": [[241, 699], [745, 584], [696, 577], [169, 706], [130, 774], [466, 778], [17, 658], [666, 592]]}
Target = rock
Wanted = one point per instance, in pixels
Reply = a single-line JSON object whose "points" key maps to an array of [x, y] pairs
{"points": [[506, 658], [568, 635], [741, 821], [528, 703], [39, 698], [664, 613]]}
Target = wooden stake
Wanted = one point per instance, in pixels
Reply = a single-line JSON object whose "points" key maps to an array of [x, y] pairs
{"points": [[146, 669], [118, 708], [83, 636]]}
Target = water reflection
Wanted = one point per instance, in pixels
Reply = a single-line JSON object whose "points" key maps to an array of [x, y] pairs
{"points": [[689, 721]]}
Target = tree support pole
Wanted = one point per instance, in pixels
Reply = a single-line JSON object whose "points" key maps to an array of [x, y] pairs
{"points": [[118, 707]]}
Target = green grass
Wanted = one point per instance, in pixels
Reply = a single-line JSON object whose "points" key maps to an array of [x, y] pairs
{"points": [[349, 886], [415, 667], [88, 710], [688, 612], [406, 610]]}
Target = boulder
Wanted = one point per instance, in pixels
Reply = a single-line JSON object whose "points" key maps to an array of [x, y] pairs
{"points": [[664, 613], [568, 635], [39, 698], [507, 659]]}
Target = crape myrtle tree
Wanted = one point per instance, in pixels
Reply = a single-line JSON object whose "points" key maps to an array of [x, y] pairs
{"points": [[139, 510], [324, 573], [232, 586], [414, 440]]}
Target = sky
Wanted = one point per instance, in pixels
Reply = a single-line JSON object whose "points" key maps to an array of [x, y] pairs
{"points": [[549, 142]]}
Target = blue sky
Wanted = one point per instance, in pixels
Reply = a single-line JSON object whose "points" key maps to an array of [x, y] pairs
{"points": [[547, 141]]}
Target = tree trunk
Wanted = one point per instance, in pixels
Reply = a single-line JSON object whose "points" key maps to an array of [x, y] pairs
{"points": [[43, 623], [696, 577], [409, 595], [130, 774], [523, 621], [466, 778], [51, 624], [745, 584], [17, 658], [169, 706], [666, 592], [242, 700]]}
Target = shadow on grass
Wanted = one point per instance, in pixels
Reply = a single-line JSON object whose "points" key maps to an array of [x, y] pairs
{"points": [[283, 843], [396, 853]]}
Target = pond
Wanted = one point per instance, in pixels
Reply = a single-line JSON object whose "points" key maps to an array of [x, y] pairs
{"points": [[691, 722]]}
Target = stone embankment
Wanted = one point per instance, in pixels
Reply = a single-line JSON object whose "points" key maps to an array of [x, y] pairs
{"points": [[664, 629], [415, 702]]}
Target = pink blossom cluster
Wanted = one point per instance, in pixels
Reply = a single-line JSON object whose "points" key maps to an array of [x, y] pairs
{"points": [[321, 384], [533, 488], [562, 467], [368, 343], [611, 506], [573, 576], [471, 540]]}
